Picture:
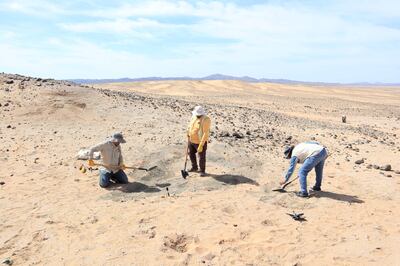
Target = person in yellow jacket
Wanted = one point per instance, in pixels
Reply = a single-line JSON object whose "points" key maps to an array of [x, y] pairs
{"points": [[198, 133]]}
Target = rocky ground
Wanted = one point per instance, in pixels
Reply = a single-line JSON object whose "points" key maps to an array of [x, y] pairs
{"points": [[54, 214]]}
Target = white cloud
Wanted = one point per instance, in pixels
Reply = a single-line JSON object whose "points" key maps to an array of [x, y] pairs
{"points": [[118, 26], [369, 8], [42, 8], [143, 9]]}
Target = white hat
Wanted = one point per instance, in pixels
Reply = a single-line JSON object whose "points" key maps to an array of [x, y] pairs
{"points": [[198, 110]]}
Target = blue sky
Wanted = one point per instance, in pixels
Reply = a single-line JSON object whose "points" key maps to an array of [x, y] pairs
{"points": [[331, 41]]}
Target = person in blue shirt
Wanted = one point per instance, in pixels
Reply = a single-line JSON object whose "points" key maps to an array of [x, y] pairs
{"points": [[311, 155]]}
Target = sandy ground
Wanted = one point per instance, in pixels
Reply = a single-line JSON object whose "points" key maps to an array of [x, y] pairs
{"points": [[52, 214]]}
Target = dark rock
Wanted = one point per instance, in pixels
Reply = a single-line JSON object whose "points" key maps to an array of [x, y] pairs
{"points": [[224, 134], [2, 183], [375, 166], [9, 126], [361, 161], [397, 172], [238, 135], [269, 136], [7, 262], [9, 81], [386, 167]]}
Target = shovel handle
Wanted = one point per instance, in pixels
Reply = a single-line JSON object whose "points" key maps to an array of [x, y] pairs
{"points": [[118, 166], [187, 152], [288, 183], [126, 167]]}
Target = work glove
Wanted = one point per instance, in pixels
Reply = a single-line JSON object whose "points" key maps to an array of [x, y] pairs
{"points": [[200, 149], [91, 163]]}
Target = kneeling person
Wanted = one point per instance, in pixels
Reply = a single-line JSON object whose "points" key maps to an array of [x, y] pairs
{"points": [[311, 155], [111, 155]]}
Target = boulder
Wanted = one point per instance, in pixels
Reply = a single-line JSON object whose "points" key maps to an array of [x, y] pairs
{"points": [[360, 161], [224, 134], [386, 167], [238, 135], [269, 136]]}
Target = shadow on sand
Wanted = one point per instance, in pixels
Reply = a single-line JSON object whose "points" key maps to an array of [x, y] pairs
{"points": [[337, 196], [134, 187], [234, 179]]}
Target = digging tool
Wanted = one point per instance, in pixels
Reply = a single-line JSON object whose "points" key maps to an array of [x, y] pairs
{"points": [[282, 189], [127, 167], [297, 216], [184, 172]]}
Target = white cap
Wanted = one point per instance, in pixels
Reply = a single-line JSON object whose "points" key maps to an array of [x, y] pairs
{"points": [[198, 110]]}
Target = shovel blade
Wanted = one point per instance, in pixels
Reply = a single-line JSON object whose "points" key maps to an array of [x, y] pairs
{"points": [[145, 169], [281, 190], [151, 168], [184, 174]]}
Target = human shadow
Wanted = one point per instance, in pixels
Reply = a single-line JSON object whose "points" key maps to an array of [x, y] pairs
{"points": [[337, 196], [134, 187], [234, 179]]}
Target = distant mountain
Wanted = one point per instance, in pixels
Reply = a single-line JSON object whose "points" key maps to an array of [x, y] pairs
{"points": [[210, 77], [225, 77]]}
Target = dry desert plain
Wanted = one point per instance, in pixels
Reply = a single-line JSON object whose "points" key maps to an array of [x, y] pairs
{"points": [[52, 214]]}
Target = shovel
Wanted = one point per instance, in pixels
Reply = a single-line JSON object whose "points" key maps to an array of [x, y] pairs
{"points": [[282, 189], [185, 173], [127, 167]]}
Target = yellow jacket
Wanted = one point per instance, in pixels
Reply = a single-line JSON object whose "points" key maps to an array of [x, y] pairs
{"points": [[199, 130]]}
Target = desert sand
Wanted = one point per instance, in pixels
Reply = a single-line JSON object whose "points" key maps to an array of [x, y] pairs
{"points": [[52, 214]]}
